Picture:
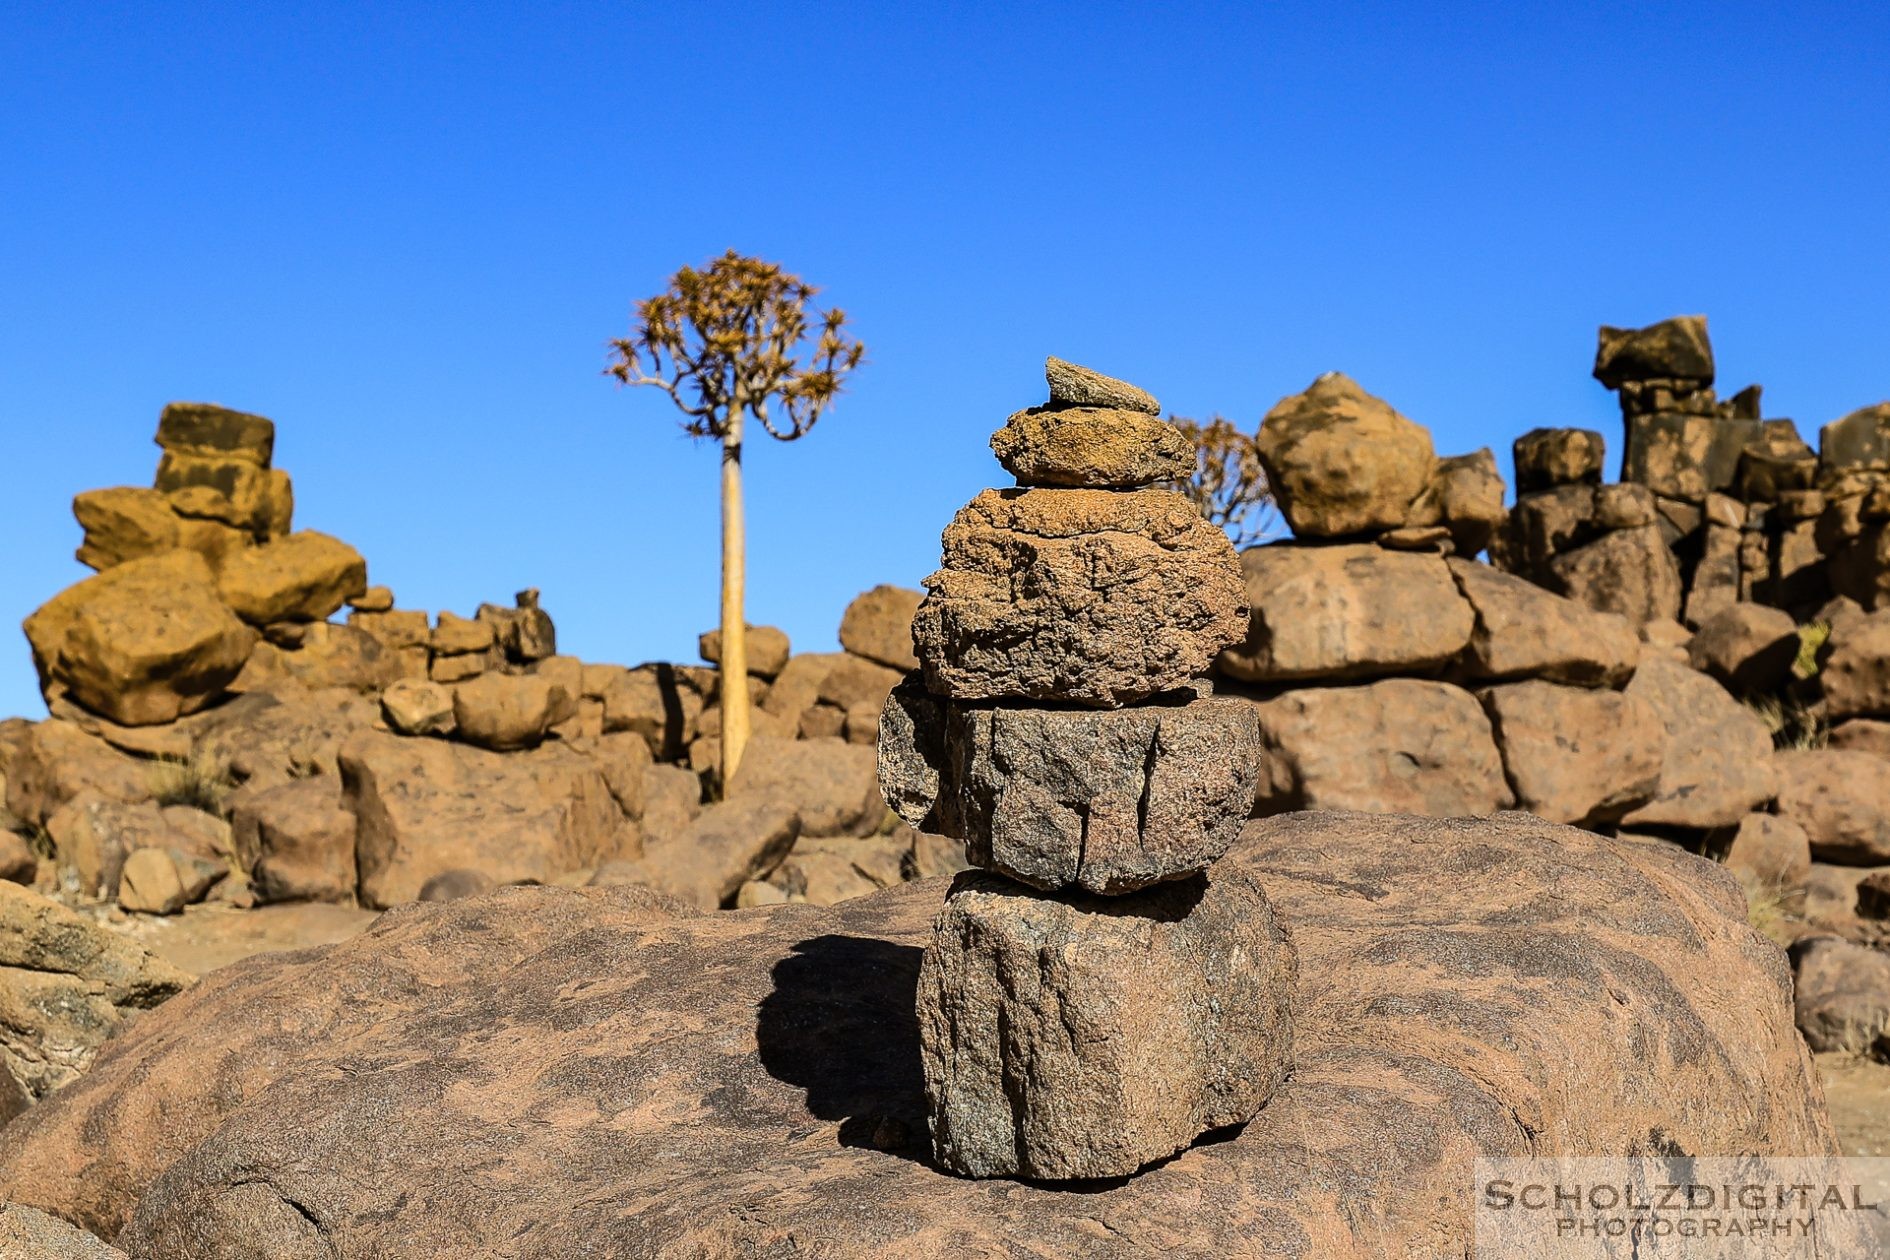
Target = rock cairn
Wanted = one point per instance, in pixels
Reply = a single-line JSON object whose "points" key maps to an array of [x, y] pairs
{"points": [[1095, 997]]}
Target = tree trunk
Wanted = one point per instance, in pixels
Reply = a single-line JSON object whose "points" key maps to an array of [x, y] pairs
{"points": [[734, 678]]}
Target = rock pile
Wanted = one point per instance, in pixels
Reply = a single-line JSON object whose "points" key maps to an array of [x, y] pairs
{"points": [[1094, 998]]}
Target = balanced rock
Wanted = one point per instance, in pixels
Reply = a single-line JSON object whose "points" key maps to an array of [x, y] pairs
{"points": [[1093, 596], [1340, 461], [208, 431], [1081, 1037], [304, 577], [1073, 386], [142, 643], [503, 712], [1546, 458], [1108, 801], [1093, 447], [767, 649], [123, 523], [1673, 349]]}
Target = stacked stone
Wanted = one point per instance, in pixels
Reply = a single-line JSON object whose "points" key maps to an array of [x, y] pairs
{"points": [[1853, 501], [1095, 997]]}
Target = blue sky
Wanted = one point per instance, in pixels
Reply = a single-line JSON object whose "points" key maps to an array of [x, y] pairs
{"points": [[406, 232]]}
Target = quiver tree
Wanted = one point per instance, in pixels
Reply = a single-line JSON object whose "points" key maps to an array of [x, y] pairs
{"points": [[1229, 485], [726, 344]]}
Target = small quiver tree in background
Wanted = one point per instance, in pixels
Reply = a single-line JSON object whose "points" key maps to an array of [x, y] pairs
{"points": [[726, 344], [1229, 485]]}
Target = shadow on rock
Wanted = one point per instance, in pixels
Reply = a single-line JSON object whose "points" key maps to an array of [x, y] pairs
{"points": [[842, 1024]]}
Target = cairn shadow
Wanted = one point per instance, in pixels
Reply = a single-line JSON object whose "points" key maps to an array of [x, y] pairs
{"points": [[842, 1024]]}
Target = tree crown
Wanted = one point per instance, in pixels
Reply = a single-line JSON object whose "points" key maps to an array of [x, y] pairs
{"points": [[1229, 484], [727, 339]]}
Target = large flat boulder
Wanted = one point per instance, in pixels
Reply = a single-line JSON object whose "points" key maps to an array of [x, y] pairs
{"points": [[142, 643], [1524, 631], [511, 1072], [1400, 746], [1346, 612], [424, 807], [307, 576]]}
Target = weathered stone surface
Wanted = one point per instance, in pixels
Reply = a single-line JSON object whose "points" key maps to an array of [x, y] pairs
{"points": [[1547, 523], [1073, 386], [1108, 801], [1775, 464], [1400, 746], [1630, 572], [1770, 852], [93, 836], [225, 488], [1686, 456], [825, 871], [1841, 799], [375, 599], [1094, 596], [1347, 611], [523, 633], [767, 646], [1673, 349], [878, 626], [1748, 648], [29, 1234], [295, 841], [1465, 497], [423, 806], [54, 762], [416, 706], [123, 523], [1095, 447], [1575, 755], [268, 740], [1842, 995], [18, 863], [1718, 576], [1523, 631], [303, 577], [728, 844], [1505, 987], [1624, 506], [1717, 764], [66, 984], [1855, 668], [321, 656], [831, 784], [503, 712], [1869, 735], [672, 798], [854, 682], [1858, 442], [1546, 458], [142, 643], [1340, 461], [1080, 1037], [797, 688]]}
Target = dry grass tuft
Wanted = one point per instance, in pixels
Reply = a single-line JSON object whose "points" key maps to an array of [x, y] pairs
{"points": [[201, 780], [1791, 723]]}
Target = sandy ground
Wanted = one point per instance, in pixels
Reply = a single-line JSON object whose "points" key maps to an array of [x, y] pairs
{"points": [[1858, 1093], [206, 937]]}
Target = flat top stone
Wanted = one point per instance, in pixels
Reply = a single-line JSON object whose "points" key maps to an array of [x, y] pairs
{"points": [[717, 1085], [1073, 386], [210, 430], [1673, 349], [1100, 447]]}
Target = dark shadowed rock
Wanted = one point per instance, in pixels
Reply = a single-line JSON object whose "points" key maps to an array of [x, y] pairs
{"points": [[1575, 755], [1717, 764], [1841, 799], [1340, 461], [1505, 987], [1073, 386], [1859, 441], [1344, 612], [1673, 349], [1626, 571], [1109, 801], [1093, 596], [1842, 995], [1523, 631], [1081, 1037], [1400, 746], [1749, 648], [1558, 457], [209, 431], [1092, 447]]}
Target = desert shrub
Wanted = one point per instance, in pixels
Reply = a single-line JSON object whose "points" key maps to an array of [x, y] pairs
{"points": [[1811, 640], [1229, 486], [1771, 910], [1793, 724], [201, 780]]}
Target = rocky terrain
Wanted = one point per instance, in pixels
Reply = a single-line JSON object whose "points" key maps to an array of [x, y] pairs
{"points": [[681, 1014]]}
